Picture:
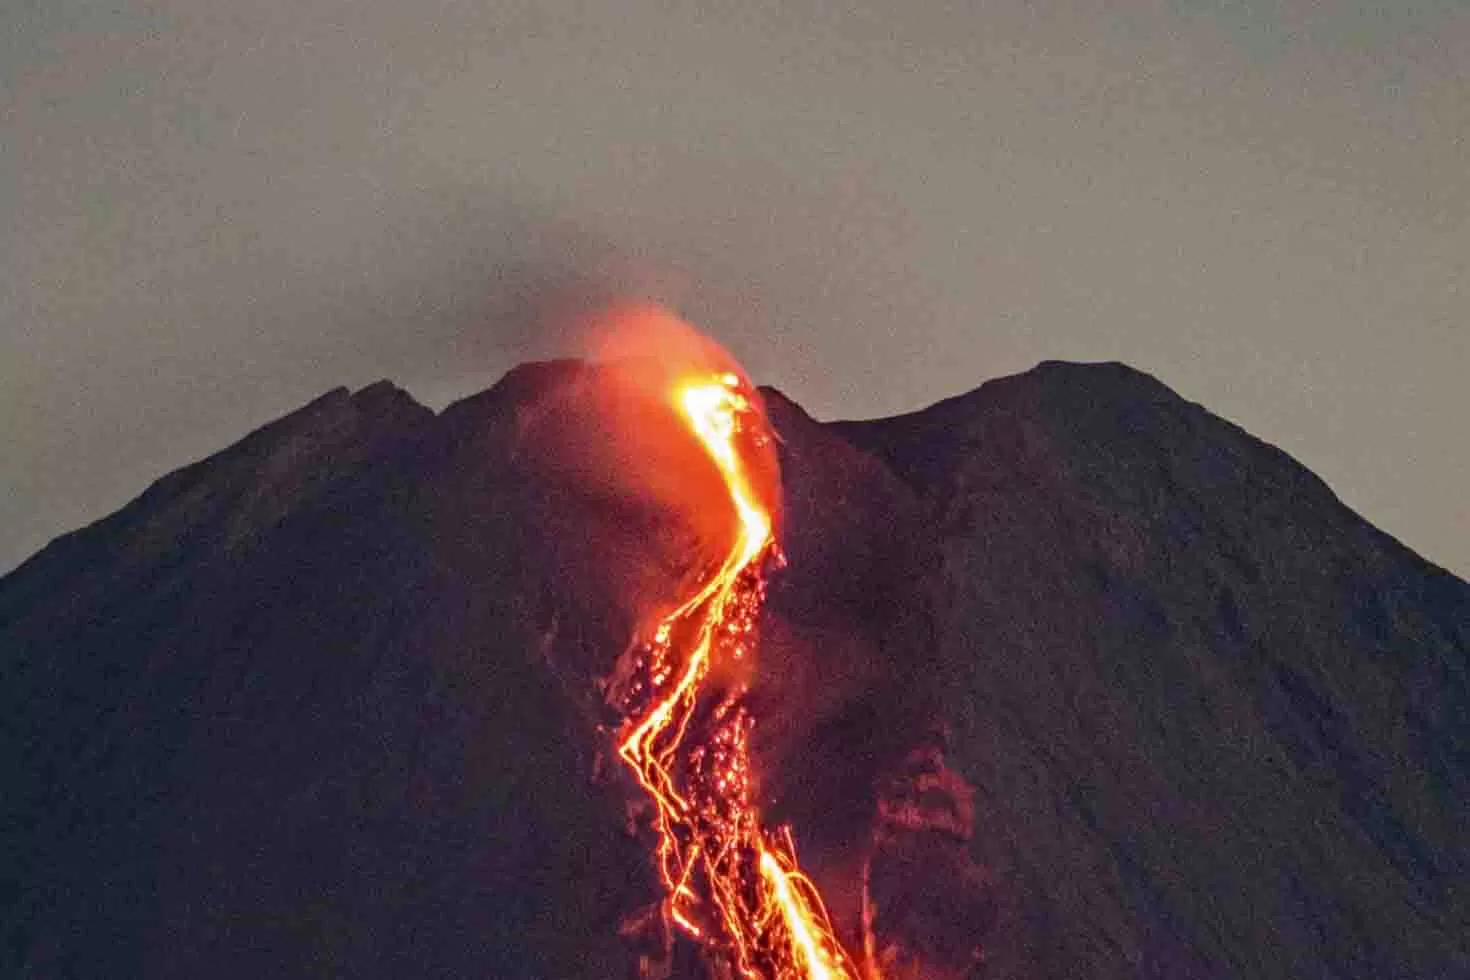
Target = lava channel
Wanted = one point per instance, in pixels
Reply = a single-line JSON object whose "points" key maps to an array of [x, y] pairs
{"points": [[731, 884]]}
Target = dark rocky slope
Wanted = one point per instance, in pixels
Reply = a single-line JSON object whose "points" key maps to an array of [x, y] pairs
{"points": [[1218, 722], [1089, 678]]}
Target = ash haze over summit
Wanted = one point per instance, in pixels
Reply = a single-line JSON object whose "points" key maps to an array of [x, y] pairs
{"points": [[215, 211]]}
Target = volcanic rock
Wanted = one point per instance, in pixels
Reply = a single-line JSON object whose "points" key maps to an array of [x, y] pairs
{"points": [[1065, 677]]}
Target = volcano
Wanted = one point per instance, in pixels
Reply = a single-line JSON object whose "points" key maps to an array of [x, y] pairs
{"points": [[1063, 677]]}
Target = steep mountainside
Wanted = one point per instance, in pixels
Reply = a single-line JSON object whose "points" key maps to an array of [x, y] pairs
{"points": [[1219, 723], [1081, 678]]}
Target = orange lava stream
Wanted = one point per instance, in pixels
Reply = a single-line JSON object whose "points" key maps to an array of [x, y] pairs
{"points": [[732, 885]]}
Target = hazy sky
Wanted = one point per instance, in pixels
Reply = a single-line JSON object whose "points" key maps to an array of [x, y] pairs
{"points": [[216, 209]]}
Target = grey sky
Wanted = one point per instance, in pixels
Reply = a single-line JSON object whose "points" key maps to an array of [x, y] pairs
{"points": [[215, 210]]}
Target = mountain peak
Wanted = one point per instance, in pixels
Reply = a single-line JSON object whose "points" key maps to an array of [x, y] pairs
{"points": [[227, 499], [1065, 667]]}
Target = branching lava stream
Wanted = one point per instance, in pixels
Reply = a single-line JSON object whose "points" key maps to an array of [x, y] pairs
{"points": [[731, 884]]}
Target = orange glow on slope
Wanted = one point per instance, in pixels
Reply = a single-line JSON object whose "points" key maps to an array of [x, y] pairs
{"points": [[731, 885]]}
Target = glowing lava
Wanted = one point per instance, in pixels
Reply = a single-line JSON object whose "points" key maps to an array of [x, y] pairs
{"points": [[732, 885]]}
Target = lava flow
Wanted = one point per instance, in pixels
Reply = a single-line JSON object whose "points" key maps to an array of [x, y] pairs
{"points": [[731, 884]]}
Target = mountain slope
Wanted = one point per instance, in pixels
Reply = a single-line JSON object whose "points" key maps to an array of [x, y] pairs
{"points": [[1219, 722], [1070, 670]]}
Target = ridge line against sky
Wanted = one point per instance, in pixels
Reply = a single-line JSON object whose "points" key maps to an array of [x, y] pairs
{"points": [[217, 211]]}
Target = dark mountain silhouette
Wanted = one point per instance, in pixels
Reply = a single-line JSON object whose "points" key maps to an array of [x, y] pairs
{"points": [[1085, 682]]}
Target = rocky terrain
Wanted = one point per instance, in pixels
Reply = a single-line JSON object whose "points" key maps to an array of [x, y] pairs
{"points": [[1084, 680]]}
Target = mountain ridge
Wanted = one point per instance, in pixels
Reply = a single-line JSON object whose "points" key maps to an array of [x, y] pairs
{"points": [[1136, 693]]}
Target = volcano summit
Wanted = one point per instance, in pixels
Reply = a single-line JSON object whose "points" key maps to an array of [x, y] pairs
{"points": [[1064, 677]]}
